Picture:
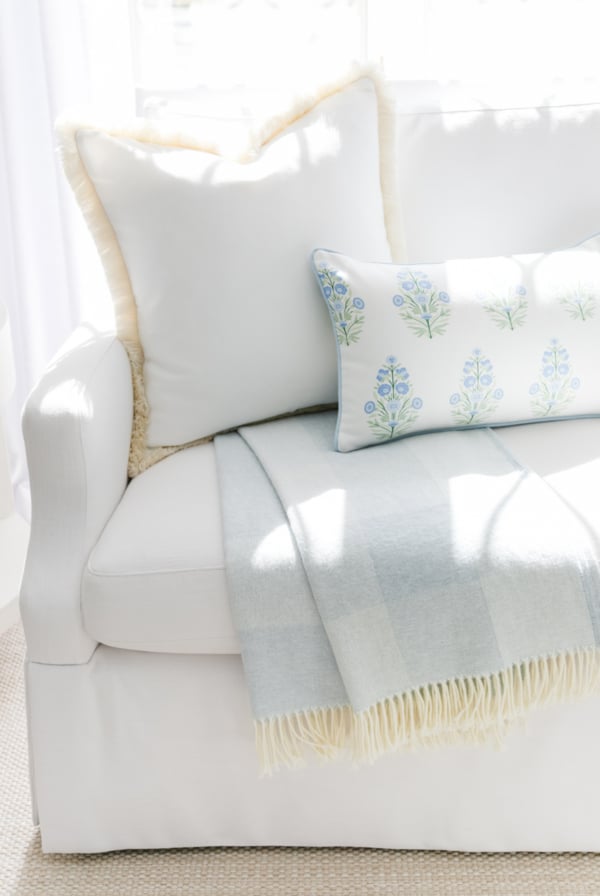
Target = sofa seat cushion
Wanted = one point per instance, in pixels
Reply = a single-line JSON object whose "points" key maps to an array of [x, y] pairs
{"points": [[156, 580]]}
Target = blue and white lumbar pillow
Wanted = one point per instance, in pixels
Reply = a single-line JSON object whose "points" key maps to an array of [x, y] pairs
{"points": [[464, 343]]}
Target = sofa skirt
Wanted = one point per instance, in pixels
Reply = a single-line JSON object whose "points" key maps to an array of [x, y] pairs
{"points": [[138, 750]]}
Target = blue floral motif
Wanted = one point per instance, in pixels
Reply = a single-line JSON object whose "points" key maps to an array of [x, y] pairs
{"points": [[345, 309], [580, 303], [393, 408], [557, 386], [478, 398], [420, 304], [509, 310]]}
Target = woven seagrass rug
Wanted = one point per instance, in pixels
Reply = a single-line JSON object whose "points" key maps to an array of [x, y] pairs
{"points": [[24, 871]]}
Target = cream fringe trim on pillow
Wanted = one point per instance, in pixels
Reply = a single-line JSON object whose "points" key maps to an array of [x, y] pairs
{"points": [[469, 711], [142, 456]]}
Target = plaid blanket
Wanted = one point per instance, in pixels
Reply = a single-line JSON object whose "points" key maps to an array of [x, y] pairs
{"points": [[425, 591]]}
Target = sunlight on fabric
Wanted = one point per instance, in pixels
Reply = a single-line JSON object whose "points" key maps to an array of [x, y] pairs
{"points": [[275, 550], [185, 166], [578, 485], [324, 517], [484, 278], [572, 278], [322, 141], [513, 516], [285, 153], [68, 396], [476, 498]]}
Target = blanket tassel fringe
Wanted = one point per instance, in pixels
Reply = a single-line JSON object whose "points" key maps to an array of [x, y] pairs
{"points": [[461, 711]]}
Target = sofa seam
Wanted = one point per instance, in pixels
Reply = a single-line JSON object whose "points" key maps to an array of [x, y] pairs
{"points": [[145, 574]]}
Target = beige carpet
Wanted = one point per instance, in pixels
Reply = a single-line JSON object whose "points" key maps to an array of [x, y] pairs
{"points": [[24, 871]]}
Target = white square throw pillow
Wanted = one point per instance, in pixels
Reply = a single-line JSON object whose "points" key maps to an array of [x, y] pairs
{"points": [[206, 258], [465, 343]]}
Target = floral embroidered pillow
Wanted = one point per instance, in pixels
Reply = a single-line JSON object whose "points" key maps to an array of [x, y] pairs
{"points": [[464, 343]]}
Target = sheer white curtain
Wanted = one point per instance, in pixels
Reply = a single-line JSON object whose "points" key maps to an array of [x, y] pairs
{"points": [[53, 56]]}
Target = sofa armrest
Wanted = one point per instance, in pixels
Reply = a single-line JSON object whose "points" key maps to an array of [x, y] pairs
{"points": [[77, 429]]}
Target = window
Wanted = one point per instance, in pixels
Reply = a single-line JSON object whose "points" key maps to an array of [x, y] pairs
{"points": [[216, 47], [228, 56], [486, 40]]}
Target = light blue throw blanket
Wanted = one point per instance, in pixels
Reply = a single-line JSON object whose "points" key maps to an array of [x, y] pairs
{"points": [[429, 590]]}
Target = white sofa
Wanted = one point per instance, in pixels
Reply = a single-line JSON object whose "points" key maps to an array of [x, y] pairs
{"points": [[139, 722]]}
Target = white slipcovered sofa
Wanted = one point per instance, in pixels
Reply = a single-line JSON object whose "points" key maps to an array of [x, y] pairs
{"points": [[140, 727]]}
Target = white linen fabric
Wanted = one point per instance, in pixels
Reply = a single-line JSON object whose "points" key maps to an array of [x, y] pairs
{"points": [[77, 426], [100, 732], [156, 578], [464, 343], [216, 253]]}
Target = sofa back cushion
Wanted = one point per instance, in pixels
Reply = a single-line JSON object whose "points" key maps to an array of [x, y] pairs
{"points": [[482, 173]]}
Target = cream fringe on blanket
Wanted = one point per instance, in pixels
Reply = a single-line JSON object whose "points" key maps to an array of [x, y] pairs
{"points": [[465, 711]]}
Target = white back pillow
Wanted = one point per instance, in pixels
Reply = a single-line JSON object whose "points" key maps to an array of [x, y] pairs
{"points": [[208, 260]]}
